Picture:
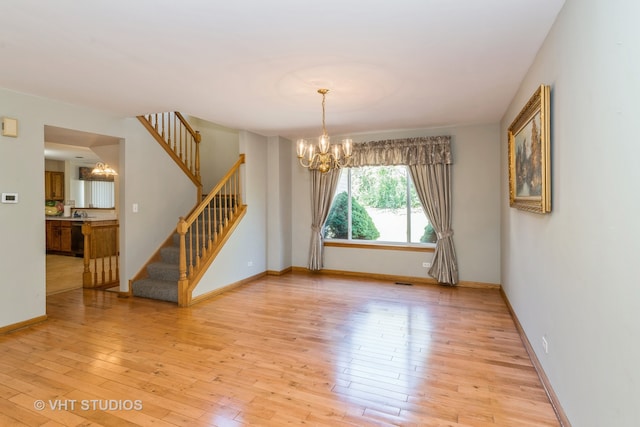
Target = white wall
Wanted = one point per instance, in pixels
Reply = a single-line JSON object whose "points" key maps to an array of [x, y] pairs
{"points": [[218, 150], [476, 212], [248, 243], [22, 225], [570, 275], [53, 165], [279, 208]]}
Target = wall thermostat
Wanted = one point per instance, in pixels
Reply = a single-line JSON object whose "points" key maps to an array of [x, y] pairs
{"points": [[9, 197]]}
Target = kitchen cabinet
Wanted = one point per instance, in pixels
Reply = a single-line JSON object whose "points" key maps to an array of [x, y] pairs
{"points": [[54, 185], [59, 236]]}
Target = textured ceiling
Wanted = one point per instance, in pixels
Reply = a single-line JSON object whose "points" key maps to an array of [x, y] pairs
{"points": [[256, 65]]}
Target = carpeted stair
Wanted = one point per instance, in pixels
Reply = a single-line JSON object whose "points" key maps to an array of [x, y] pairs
{"points": [[162, 283]]}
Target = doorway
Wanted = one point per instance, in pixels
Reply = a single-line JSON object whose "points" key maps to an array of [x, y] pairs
{"points": [[69, 151]]}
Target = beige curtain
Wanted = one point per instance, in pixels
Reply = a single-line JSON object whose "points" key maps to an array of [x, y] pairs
{"points": [[407, 151], [323, 187], [429, 162], [433, 185]]}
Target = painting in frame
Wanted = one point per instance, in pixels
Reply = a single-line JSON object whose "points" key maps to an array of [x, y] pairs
{"points": [[529, 155]]}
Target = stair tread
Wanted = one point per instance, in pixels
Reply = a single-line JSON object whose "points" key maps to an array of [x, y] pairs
{"points": [[163, 290], [170, 254], [164, 265], [164, 271]]}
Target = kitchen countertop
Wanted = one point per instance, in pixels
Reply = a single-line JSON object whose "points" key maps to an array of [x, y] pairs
{"points": [[70, 218]]}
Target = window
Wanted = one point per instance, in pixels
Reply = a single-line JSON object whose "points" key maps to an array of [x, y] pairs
{"points": [[99, 194], [93, 191], [92, 194], [378, 203]]}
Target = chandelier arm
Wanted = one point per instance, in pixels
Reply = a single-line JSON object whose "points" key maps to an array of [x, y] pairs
{"points": [[305, 164], [341, 162], [311, 163]]}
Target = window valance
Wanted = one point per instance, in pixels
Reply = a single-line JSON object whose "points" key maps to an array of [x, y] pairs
{"points": [[408, 151], [84, 174]]}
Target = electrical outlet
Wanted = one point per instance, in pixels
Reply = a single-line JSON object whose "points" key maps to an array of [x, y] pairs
{"points": [[426, 264], [250, 264], [545, 345]]}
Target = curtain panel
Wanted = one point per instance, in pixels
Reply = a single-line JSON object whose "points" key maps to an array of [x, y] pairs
{"points": [[323, 187], [429, 161], [433, 185]]}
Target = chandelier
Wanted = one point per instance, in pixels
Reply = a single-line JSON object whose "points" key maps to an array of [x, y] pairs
{"points": [[103, 169], [324, 156]]}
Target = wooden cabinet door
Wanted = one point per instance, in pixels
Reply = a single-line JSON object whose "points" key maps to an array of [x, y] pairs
{"points": [[47, 185], [53, 185], [53, 236], [58, 236], [57, 185], [65, 236], [50, 234]]}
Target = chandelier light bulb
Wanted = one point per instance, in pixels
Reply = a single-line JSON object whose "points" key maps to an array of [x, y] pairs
{"points": [[103, 169]]}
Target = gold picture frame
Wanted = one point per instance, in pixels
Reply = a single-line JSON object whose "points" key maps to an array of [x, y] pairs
{"points": [[529, 155]]}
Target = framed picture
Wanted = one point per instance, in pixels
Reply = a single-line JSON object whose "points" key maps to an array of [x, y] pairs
{"points": [[529, 155]]}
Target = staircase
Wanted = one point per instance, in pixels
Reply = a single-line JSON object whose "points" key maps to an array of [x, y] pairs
{"points": [[174, 270], [163, 275]]}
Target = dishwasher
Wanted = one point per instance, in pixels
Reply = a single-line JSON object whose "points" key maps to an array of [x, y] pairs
{"points": [[77, 239]]}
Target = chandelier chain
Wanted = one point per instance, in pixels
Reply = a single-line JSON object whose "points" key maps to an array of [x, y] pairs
{"points": [[324, 93]]}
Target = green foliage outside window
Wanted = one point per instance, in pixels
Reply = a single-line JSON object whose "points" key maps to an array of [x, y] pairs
{"points": [[429, 235], [337, 225], [383, 187]]}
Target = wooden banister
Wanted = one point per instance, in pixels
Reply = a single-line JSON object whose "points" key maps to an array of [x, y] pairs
{"points": [[101, 254], [179, 140], [206, 228]]}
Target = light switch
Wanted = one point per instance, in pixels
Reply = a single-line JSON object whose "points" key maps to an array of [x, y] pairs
{"points": [[9, 127], [135, 208]]}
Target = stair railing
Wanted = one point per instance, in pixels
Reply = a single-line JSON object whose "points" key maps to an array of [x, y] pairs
{"points": [[180, 141], [101, 254], [203, 233]]}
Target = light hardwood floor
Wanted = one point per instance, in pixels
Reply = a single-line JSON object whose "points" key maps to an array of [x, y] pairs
{"points": [[63, 273], [293, 349]]}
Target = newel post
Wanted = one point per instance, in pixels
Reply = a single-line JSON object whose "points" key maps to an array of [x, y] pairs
{"points": [[86, 274], [198, 138], [241, 161], [183, 281]]}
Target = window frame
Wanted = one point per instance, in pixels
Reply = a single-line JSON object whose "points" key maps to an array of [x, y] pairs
{"points": [[376, 244]]}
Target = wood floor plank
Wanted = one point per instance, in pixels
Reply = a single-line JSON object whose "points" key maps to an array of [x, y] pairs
{"points": [[64, 273], [292, 349]]}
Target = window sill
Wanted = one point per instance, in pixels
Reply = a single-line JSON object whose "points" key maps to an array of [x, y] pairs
{"points": [[415, 247]]}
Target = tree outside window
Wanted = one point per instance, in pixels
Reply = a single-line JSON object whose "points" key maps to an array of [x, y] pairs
{"points": [[378, 203]]}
